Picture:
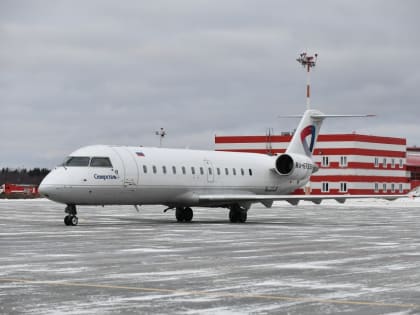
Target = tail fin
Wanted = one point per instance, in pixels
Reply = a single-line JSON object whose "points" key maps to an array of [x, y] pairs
{"points": [[304, 138], [306, 134]]}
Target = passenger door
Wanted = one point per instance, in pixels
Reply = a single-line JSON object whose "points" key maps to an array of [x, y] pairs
{"points": [[129, 166]]}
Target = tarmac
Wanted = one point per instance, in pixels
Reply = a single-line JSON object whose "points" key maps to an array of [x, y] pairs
{"points": [[357, 258]]}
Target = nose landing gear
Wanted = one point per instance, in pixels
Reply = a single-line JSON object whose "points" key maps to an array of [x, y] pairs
{"points": [[71, 218]]}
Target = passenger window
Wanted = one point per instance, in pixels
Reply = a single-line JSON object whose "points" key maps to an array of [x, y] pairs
{"points": [[100, 162], [144, 169], [154, 169], [250, 172], [242, 172], [164, 169], [218, 171], [192, 170], [183, 170], [234, 171], [226, 171], [210, 171], [77, 161], [201, 171], [174, 169]]}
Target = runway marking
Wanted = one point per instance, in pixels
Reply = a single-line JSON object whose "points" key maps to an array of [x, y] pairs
{"points": [[213, 294]]}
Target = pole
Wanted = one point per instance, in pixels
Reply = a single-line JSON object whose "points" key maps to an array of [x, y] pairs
{"points": [[307, 62], [308, 88]]}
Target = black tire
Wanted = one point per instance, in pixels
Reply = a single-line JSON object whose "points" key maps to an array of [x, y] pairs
{"points": [[188, 214], [74, 220], [233, 216], [242, 216], [67, 220], [180, 214], [238, 215]]}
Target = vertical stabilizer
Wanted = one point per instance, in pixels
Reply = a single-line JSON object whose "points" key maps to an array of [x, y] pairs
{"points": [[306, 134]]}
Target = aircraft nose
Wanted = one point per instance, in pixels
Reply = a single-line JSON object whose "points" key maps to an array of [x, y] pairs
{"points": [[44, 189]]}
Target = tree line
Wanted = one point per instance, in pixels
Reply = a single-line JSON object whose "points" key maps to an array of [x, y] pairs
{"points": [[32, 176]]}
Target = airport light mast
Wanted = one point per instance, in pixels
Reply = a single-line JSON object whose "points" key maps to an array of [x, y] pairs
{"points": [[161, 133], [307, 62]]}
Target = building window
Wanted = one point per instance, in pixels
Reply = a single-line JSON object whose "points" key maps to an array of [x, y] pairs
{"points": [[154, 169], [401, 163], [384, 187], [401, 187], [343, 161], [192, 170], [343, 187], [144, 169], [325, 161], [392, 187], [173, 169], [184, 171], [376, 162], [376, 187], [164, 169], [384, 162], [325, 187], [393, 163]]}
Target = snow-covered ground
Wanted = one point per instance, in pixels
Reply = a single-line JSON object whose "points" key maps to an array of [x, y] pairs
{"points": [[361, 257]]}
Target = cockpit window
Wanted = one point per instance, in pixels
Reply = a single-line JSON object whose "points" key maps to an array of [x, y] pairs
{"points": [[77, 161], [100, 162]]}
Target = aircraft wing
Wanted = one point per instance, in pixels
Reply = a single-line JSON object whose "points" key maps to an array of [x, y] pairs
{"points": [[267, 200]]}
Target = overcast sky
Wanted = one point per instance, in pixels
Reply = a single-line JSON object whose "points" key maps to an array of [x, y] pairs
{"points": [[74, 73]]}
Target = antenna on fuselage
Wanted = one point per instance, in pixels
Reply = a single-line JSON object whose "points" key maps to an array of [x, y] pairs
{"points": [[161, 133], [307, 62]]}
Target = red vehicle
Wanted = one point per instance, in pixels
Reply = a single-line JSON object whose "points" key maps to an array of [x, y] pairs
{"points": [[19, 190]]}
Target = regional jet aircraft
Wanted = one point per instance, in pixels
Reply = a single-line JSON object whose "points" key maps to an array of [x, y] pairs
{"points": [[181, 179]]}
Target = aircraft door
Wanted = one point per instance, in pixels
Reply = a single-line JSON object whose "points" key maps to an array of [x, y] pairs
{"points": [[130, 169], [209, 170]]}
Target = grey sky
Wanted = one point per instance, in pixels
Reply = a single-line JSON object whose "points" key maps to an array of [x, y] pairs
{"points": [[75, 73]]}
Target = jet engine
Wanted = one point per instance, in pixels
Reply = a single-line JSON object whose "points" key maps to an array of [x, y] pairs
{"points": [[295, 166]]}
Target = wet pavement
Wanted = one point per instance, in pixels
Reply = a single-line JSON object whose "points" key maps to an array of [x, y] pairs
{"points": [[357, 258]]}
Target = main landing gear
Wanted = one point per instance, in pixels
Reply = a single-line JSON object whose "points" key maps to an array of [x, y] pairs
{"points": [[237, 214], [183, 214], [71, 218]]}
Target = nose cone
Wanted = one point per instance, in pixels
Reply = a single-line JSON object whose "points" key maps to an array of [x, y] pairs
{"points": [[45, 188]]}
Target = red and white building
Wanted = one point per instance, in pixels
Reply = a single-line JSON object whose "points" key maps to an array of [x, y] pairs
{"points": [[348, 163], [413, 165]]}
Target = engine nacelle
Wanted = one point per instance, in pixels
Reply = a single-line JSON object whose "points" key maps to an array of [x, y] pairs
{"points": [[295, 166]]}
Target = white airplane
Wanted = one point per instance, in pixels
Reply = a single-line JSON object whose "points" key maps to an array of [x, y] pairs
{"points": [[181, 178]]}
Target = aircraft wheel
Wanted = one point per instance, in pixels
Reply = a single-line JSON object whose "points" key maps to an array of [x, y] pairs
{"points": [[188, 214], [242, 216], [237, 215], [180, 214], [74, 220], [183, 214], [67, 220]]}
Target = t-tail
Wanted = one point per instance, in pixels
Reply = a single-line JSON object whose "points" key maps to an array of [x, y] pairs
{"points": [[296, 163], [305, 137]]}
